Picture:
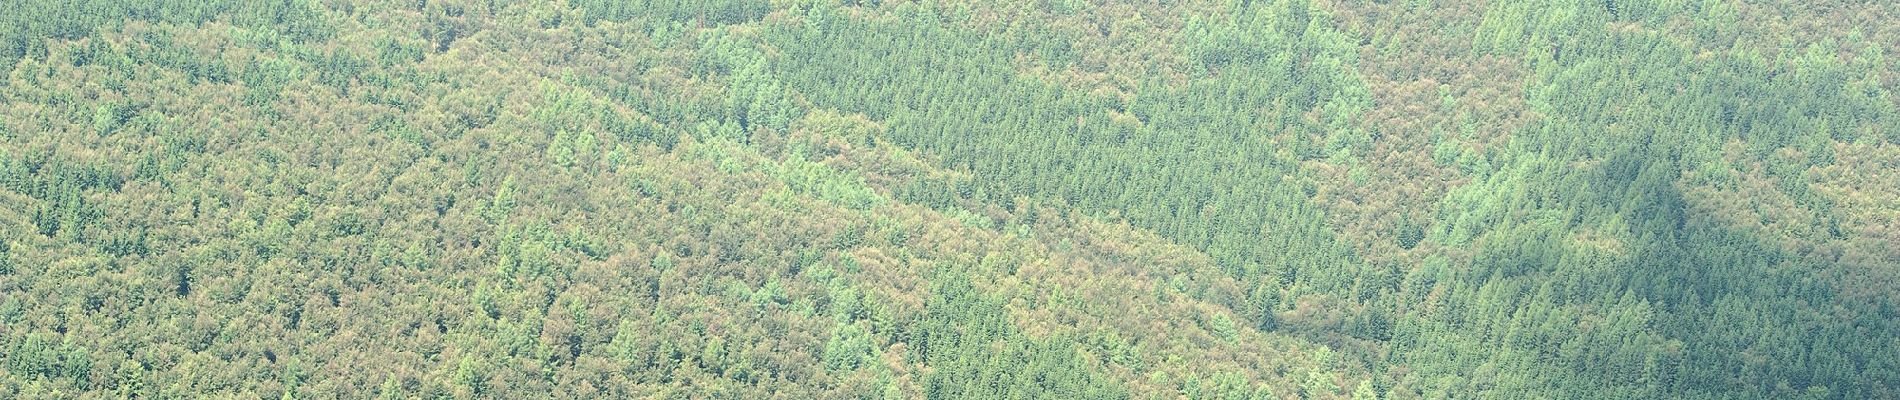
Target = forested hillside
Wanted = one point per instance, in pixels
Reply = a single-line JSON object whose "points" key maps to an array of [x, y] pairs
{"points": [[950, 199]]}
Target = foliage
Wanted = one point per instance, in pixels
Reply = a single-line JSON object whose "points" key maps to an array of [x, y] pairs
{"points": [[949, 199]]}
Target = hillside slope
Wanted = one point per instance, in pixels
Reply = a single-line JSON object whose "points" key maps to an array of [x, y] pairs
{"points": [[950, 199]]}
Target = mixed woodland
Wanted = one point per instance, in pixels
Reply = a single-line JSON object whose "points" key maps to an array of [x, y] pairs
{"points": [[950, 199]]}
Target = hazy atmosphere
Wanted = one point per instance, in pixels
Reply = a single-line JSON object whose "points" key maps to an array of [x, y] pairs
{"points": [[950, 199]]}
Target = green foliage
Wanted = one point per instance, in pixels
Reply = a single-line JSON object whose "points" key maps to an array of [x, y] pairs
{"points": [[948, 199], [977, 353], [43, 356]]}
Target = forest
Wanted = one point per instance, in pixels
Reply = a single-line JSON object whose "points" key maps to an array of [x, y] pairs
{"points": [[950, 199]]}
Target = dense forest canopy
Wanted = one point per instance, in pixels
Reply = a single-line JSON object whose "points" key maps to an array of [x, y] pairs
{"points": [[948, 199]]}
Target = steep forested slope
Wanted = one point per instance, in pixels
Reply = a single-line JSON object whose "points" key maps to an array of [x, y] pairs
{"points": [[950, 199]]}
